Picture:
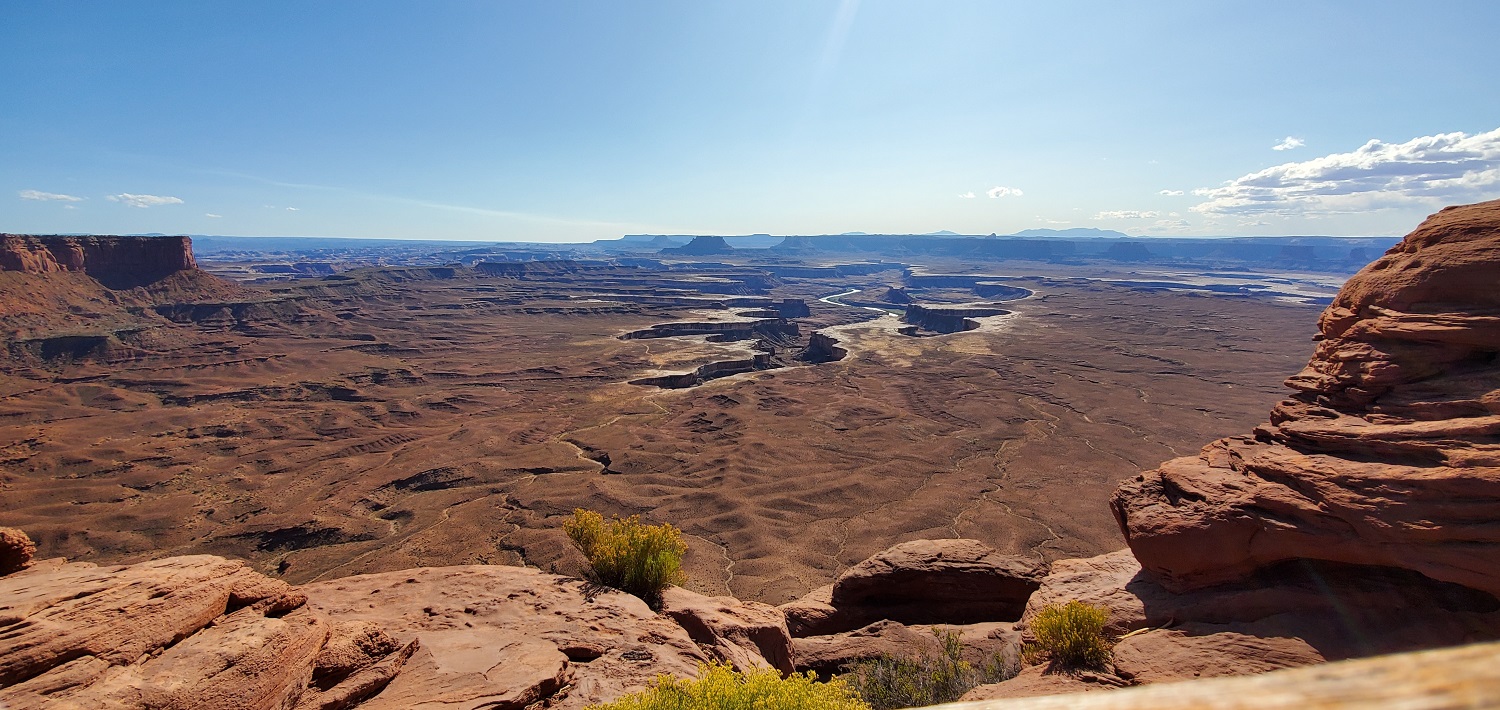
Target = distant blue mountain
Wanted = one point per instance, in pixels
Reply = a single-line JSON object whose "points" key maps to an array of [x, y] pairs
{"points": [[1073, 232]]}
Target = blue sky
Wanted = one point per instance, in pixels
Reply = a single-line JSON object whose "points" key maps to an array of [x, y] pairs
{"points": [[572, 121]]}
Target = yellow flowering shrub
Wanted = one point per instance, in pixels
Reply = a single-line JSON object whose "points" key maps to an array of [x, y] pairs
{"points": [[720, 688], [1071, 635], [627, 554]]}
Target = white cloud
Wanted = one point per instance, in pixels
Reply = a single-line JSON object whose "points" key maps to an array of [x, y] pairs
{"points": [[144, 201], [215, 216], [997, 191], [1288, 143], [967, 195], [1044, 220], [294, 209], [1171, 193], [1254, 223], [39, 195], [1426, 171], [1168, 225], [1127, 214]]}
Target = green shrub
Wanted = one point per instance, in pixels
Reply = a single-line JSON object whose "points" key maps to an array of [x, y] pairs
{"points": [[720, 688], [1071, 636], [628, 555], [891, 682]]}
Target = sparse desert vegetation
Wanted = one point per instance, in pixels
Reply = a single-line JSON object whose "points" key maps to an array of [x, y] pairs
{"points": [[1071, 636], [627, 554], [892, 682], [718, 687]]}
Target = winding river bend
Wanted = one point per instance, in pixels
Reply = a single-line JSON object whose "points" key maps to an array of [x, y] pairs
{"points": [[833, 300]]}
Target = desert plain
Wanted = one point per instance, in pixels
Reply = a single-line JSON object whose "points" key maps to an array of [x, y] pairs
{"points": [[392, 417]]}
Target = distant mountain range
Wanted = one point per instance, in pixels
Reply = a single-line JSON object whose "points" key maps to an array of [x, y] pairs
{"points": [[1073, 232]]}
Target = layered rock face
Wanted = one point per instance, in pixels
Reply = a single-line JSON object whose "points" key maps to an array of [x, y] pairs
{"points": [[115, 261], [203, 633], [1388, 455]]}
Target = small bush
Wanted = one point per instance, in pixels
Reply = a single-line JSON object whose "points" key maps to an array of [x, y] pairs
{"points": [[1071, 636], [891, 682], [628, 555], [720, 688]]}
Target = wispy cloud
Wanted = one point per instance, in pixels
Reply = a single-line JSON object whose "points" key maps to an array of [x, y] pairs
{"points": [[47, 196], [1127, 214], [998, 192], [144, 201], [294, 209], [1425, 171], [1169, 225], [1172, 193], [967, 195], [833, 44], [1288, 143], [215, 216]]}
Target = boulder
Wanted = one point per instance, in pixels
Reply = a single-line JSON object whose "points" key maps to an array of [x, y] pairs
{"points": [[16, 550], [938, 581], [920, 582], [1387, 456], [508, 637], [741, 633], [813, 614]]}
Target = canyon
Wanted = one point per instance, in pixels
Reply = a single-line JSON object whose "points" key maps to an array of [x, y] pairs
{"points": [[382, 418], [380, 449]]}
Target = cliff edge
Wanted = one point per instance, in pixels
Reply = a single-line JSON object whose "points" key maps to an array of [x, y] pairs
{"points": [[117, 262]]}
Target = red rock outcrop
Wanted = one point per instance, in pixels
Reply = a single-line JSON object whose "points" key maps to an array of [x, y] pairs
{"points": [[743, 634], [205, 633], [508, 637], [16, 550], [197, 633], [115, 261], [1389, 454]]}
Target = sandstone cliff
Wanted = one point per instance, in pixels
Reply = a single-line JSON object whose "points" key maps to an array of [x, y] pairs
{"points": [[1387, 456], [117, 262], [112, 299]]}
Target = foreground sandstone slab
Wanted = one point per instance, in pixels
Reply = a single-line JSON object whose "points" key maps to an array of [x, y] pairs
{"points": [[507, 637], [206, 633], [195, 633], [1463, 677], [743, 634]]}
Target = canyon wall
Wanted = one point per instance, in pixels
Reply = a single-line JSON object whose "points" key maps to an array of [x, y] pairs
{"points": [[117, 262]]}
